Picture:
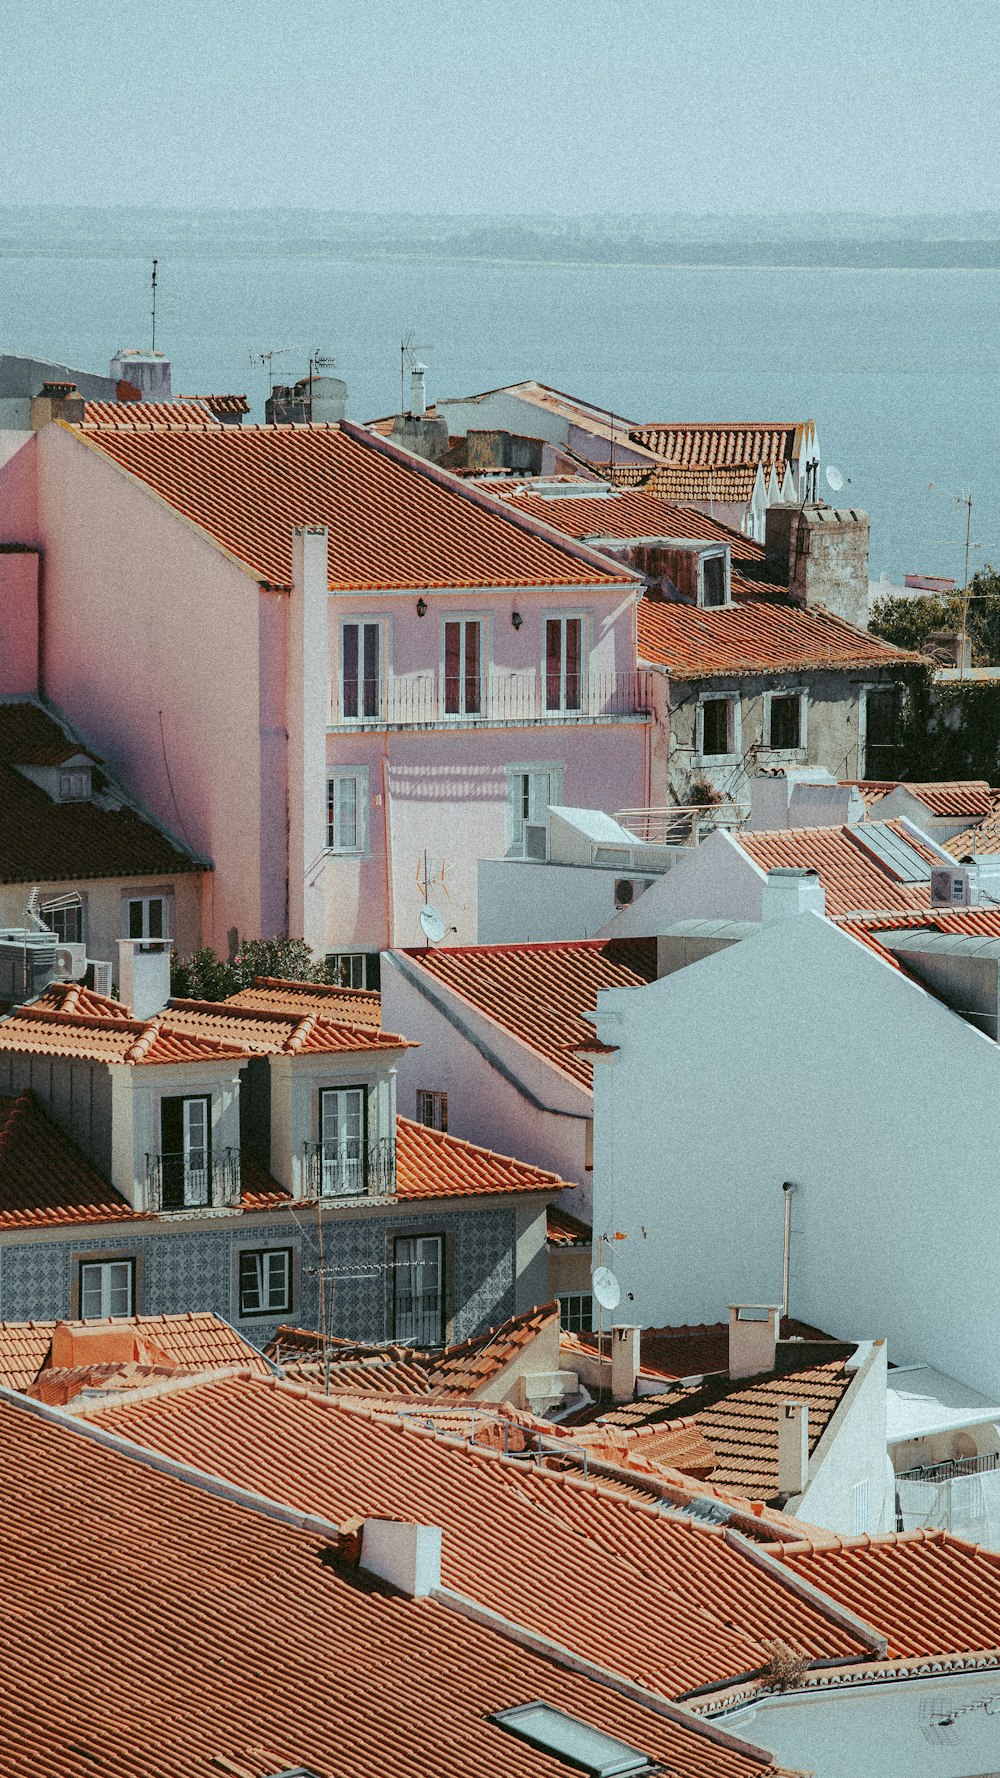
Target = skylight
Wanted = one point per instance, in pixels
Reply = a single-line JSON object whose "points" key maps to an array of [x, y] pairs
{"points": [[890, 848], [590, 1750]]}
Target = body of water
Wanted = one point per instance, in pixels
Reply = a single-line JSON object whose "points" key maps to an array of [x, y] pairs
{"points": [[898, 368]]}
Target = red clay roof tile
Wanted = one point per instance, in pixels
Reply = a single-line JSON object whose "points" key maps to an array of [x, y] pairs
{"points": [[190, 1342], [45, 1180], [852, 876], [721, 443], [433, 1164], [347, 1006], [757, 635]]}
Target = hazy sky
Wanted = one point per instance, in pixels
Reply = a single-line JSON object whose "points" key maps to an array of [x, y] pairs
{"points": [[503, 105]]}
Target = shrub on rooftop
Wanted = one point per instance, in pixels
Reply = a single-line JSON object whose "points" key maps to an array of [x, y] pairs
{"points": [[204, 976]]}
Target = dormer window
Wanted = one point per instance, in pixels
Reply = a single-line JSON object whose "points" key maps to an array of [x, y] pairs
{"points": [[713, 579], [74, 784]]}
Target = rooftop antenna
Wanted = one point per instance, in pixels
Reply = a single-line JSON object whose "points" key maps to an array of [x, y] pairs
{"points": [[408, 349], [962, 499], [153, 311], [266, 359]]}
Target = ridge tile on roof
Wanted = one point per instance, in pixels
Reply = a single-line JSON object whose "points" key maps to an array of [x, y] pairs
{"points": [[853, 878], [754, 636]]}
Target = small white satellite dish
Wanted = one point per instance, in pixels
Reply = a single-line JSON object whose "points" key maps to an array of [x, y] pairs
{"points": [[834, 477], [432, 924], [607, 1289]]}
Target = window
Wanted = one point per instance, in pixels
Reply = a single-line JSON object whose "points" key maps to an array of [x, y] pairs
{"points": [[266, 1281], [185, 1153], [881, 745], [432, 1109], [107, 1288], [354, 969], [463, 667], [784, 723], [343, 1116], [148, 917], [74, 785], [713, 580], [65, 922], [572, 1741], [564, 663], [418, 1305], [717, 728], [530, 790], [361, 676], [347, 811], [576, 1312]]}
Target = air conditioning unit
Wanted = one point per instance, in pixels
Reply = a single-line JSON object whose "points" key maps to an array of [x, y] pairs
{"points": [[101, 973], [70, 963], [536, 841], [627, 889], [951, 888]]}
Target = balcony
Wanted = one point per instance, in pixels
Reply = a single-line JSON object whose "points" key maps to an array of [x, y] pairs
{"points": [[504, 700], [195, 1181], [682, 824], [330, 1173]]}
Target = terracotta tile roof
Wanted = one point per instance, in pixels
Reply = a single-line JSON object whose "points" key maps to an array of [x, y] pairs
{"points": [[930, 1593], [132, 414], [465, 1368], [454, 1374], [721, 443], [346, 1006], [42, 841], [159, 1564], [45, 1180], [968, 796], [189, 1342], [393, 520], [756, 635], [540, 992], [628, 514], [724, 485], [39, 1030], [432, 1164], [220, 404], [58, 1387], [690, 1351], [564, 1230], [853, 878], [262, 1031], [971, 922], [74, 997], [258, 1191], [682, 1604], [981, 840]]}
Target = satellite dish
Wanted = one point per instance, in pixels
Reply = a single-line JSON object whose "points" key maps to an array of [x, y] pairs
{"points": [[607, 1289], [834, 477], [432, 924]]}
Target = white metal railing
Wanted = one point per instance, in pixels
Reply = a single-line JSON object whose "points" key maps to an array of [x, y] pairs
{"points": [[681, 824], [432, 700]]}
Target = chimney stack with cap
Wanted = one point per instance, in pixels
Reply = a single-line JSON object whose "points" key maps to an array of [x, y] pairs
{"points": [[625, 1362], [791, 891], [406, 1555], [793, 1447], [753, 1337]]}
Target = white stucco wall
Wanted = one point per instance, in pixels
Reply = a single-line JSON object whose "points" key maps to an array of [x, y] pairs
{"points": [[851, 1455], [524, 903], [799, 1055], [714, 880]]}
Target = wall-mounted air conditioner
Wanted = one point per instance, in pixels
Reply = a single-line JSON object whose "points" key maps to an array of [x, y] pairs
{"points": [[951, 888], [627, 889], [70, 964], [536, 841], [101, 973]]}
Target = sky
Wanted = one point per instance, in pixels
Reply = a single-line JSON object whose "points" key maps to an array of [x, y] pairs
{"points": [[480, 107]]}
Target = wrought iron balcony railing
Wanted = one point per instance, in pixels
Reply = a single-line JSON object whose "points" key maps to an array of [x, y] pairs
{"points": [[193, 1181], [500, 700], [330, 1173]]}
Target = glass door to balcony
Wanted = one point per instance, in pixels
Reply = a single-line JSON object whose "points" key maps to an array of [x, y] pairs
{"points": [[463, 667], [343, 1115], [563, 664], [186, 1153], [418, 1302], [361, 672]]}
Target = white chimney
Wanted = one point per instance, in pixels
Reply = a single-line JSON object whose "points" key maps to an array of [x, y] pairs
{"points": [[408, 1556], [753, 1336], [624, 1362], [418, 395], [793, 1447], [143, 976], [790, 892]]}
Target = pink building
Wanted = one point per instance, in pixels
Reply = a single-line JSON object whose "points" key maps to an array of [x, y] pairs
{"points": [[333, 668]]}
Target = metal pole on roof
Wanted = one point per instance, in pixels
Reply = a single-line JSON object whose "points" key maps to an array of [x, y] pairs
{"points": [[153, 346]]}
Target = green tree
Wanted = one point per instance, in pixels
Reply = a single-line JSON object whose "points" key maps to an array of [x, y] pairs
{"points": [[909, 621], [204, 976]]}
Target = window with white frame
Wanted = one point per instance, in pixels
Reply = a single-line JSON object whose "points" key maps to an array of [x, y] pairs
{"points": [[563, 663], [717, 721], [149, 917], [464, 666], [266, 1281], [343, 1118], [348, 969], [432, 1109], [418, 1295], [360, 671], [576, 1312], [786, 721], [185, 1152], [713, 579], [347, 810], [107, 1289], [66, 920], [74, 784], [530, 791]]}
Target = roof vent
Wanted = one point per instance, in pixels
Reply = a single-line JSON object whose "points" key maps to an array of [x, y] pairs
{"points": [[408, 1556], [569, 1739], [753, 1336]]}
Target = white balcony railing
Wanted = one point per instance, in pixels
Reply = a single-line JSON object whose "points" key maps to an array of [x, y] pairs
{"points": [[681, 824], [513, 700]]}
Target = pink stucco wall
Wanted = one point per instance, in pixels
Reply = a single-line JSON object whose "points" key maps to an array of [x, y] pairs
{"points": [[18, 621]]}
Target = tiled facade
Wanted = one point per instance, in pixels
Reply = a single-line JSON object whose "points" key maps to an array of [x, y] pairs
{"points": [[177, 1269]]}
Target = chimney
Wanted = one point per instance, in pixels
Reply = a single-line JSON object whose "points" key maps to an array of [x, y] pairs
{"points": [[143, 976], [791, 891], [408, 1556], [418, 392], [92, 1343], [793, 1447], [624, 1362], [753, 1336], [57, 401], [821, 553]]}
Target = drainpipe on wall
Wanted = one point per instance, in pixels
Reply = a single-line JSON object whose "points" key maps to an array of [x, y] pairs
{"points": [[788, 1188]]}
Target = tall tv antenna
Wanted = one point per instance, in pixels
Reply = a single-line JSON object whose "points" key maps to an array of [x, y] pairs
{"points": [[153, 311], [962, 499], [266, 359], [408, 349]]}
